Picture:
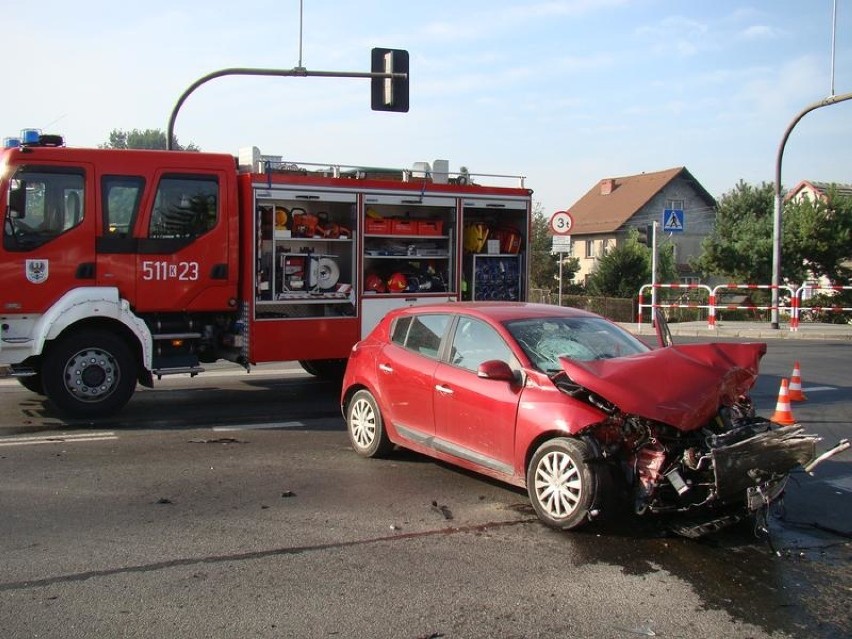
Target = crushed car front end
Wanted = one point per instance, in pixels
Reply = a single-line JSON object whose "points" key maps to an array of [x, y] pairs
{"points": [[681, 431]]}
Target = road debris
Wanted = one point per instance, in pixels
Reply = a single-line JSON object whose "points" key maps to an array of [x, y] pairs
{"points": [[442, 510]]}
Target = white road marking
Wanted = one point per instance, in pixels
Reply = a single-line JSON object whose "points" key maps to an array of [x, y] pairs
{"points": [[296, 371], [307, 424], [56, 439], [816, 389], [269, 425]]}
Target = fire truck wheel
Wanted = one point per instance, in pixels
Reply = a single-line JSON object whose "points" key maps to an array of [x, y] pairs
{"points": [[365, 426], [32, 383], [324, 368], [89, 374]]}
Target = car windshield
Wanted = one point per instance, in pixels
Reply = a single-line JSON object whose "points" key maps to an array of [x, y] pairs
{"points": [[545, 340]]}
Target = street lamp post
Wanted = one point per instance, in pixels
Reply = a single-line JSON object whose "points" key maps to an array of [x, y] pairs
{"points": [[776, 218]]}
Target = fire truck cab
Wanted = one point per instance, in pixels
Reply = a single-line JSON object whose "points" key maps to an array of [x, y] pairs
{"points": [[120, 266]]}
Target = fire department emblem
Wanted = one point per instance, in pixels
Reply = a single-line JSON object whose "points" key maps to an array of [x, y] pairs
{"points": [[37, 271]]}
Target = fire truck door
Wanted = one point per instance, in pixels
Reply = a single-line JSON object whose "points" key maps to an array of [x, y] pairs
{"points": [[48, 236], [117, 245], [183, 258]]}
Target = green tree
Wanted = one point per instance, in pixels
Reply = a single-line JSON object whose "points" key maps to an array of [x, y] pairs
{"points": [[623, 270], [666, 264], [817, 239], [544, 265], [740, 246], [147, 139]]}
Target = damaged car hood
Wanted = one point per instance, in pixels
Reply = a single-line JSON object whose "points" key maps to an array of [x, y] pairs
{"points": [[682, 385]]}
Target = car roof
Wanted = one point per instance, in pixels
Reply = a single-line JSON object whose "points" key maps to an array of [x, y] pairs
{"points": [[497, 311]]}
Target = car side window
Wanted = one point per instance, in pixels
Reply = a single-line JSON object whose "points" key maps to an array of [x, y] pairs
{"points": [[424, 334], [475, 342]]}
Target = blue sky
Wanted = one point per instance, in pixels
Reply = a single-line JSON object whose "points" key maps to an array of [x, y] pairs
{"points": [[564, 92]]}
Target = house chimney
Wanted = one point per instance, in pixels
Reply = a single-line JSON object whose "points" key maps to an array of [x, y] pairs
{"points": [[607, 186]]}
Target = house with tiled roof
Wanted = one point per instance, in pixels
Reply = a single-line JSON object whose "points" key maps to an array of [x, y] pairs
{"points": [[813, 190], [603, 217]]}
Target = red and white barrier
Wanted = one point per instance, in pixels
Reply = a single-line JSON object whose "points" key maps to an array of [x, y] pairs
{"points": [[797, 303]]}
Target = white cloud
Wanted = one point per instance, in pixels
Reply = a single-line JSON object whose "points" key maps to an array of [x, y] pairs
{"points": [[760, 32]]}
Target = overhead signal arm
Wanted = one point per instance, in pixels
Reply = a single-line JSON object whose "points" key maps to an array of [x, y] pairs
{"points": [[389, 77]]}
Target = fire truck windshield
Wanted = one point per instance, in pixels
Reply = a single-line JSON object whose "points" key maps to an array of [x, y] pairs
{"points": [[42, 203]]}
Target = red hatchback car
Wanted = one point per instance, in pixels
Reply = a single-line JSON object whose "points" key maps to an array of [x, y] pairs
{"points": [[574, 408]]}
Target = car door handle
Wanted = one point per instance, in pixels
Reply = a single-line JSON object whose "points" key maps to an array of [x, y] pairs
{"points": [[386, 368], [444, 390]]}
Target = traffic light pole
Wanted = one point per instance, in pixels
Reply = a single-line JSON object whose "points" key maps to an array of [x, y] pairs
{"points": [[776, 217]]}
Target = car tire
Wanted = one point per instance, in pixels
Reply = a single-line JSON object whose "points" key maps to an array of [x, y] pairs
{"points": [[89, 374], [563, 487], [365, 426]]}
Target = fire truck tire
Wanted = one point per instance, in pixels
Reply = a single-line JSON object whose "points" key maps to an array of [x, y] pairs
{"points": [[89, 374], [324, 368], [32, 383]]}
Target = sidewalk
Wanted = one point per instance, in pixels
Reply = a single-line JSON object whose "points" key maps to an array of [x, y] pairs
{"points": [[751, 330]]}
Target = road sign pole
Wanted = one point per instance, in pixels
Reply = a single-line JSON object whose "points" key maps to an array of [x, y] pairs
{"points": [[561, 224], [653, 272], [561, 257]]}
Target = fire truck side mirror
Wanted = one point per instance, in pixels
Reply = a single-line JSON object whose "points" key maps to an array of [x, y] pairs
{"points": [[389, 94]]}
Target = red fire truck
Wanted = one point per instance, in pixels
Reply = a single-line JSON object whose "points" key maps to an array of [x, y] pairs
{"points": [[120, 266]]}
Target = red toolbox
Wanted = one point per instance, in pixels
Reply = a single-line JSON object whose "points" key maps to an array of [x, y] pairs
{"points": [[403, 227], [375, 226], [430, 227]]}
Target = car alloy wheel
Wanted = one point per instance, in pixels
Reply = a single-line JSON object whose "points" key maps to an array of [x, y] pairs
{"points": [[365, 426], [561, 484]]}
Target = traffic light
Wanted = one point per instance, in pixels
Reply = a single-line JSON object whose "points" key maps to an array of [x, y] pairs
{"points": [[646, 235], [389, 94]]}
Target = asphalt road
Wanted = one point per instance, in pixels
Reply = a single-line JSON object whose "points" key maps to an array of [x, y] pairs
{"points": [[232, 505]]}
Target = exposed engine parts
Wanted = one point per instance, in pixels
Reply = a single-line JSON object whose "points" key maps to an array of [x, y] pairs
{"points": [[735, 464]]}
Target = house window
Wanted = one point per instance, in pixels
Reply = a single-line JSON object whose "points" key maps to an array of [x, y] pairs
{"points": [[676, 205], [690, 280], [590, 248]]}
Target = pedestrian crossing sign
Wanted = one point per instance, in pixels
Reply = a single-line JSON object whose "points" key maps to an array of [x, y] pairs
{"points": [[673, 220]]}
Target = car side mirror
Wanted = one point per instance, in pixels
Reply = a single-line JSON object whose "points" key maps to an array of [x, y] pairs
{"points": [[496, 369]]}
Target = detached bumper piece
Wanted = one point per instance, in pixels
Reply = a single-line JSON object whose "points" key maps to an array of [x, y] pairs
{"points": [[757, 467]]}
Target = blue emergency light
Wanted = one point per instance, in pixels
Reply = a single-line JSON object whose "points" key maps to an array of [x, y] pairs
{"points": [[30, 136]]}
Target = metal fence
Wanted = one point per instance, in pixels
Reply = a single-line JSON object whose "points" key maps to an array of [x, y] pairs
{"points": [[712, 301], [616, 309], [695, 302]]}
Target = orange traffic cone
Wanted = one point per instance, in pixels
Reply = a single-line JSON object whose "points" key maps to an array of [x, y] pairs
{"points": [[796, 394], [783, 414]]}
